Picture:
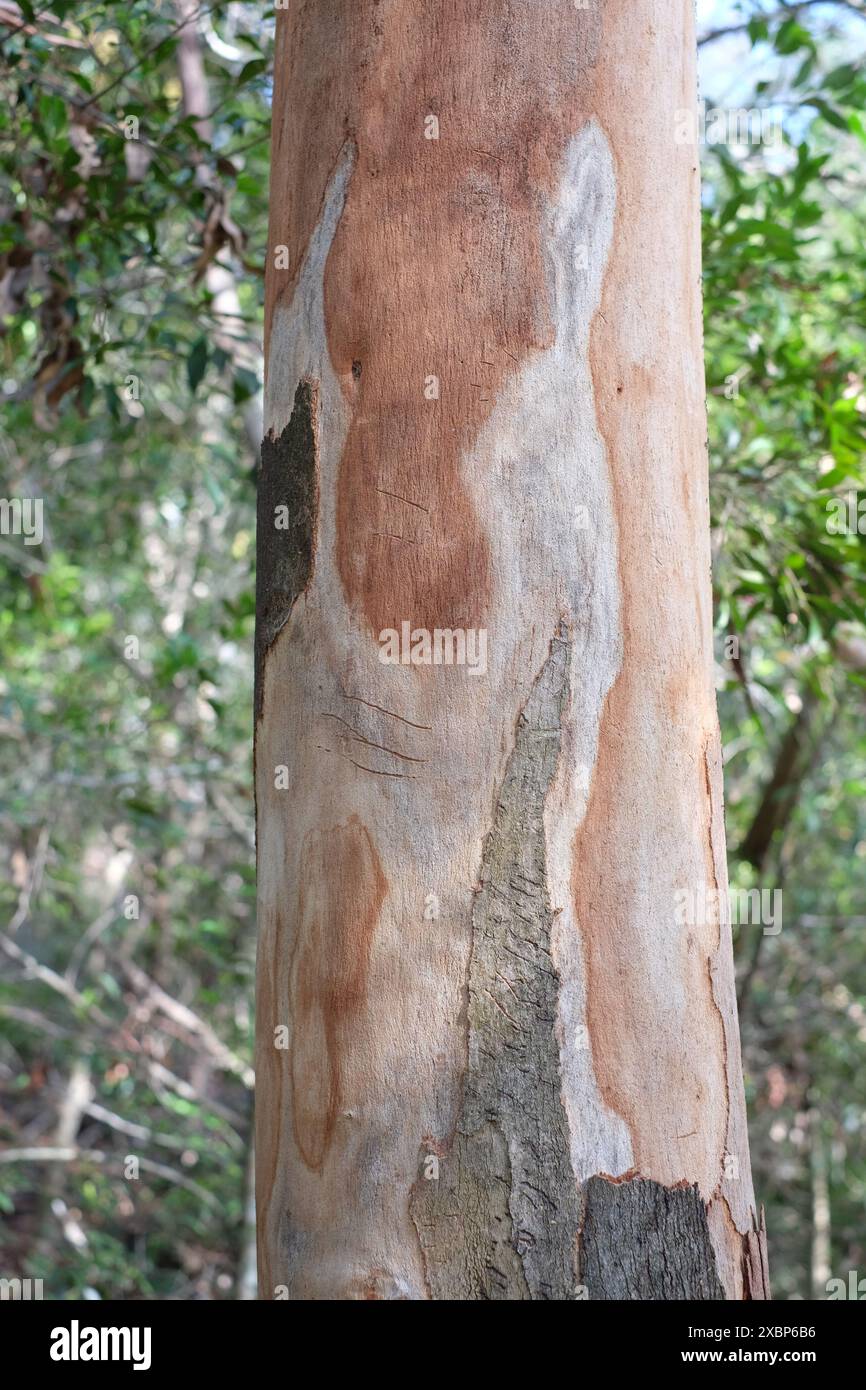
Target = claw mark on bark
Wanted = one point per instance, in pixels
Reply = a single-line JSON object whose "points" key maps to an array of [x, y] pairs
{"points": [[641, 1240], [483, 1231], [369, 742], [390, 713], [402, 776], [397, 498], [288, 477]]}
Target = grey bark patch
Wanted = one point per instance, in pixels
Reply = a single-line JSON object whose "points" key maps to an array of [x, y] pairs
{"points": [[641, 1240], [501, 1221], [288, 477]]}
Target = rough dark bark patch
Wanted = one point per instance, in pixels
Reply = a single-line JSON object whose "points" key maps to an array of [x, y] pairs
{"points": [[501, 1221], [641, 1240], [284, 558]]}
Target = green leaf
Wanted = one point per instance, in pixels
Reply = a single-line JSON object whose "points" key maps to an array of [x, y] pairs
{"points": [[52, 113], [196, 363], [791, 36], [856, 126], [245, 385], [758, 29], [81, 81], [251, 69], [831, 115]]}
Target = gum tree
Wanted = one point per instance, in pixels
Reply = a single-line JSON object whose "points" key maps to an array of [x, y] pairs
{"points": [[495, 1060]]}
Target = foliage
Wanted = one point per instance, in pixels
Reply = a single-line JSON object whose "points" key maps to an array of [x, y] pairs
{"points": [[134, 772], [785, 330], [127, 396]]}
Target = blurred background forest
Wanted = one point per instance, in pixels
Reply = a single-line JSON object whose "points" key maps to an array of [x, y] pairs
{"points": [[133, 223]]}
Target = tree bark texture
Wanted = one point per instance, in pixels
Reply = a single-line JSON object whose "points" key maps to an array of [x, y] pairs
{"points": [[509, 1072]]}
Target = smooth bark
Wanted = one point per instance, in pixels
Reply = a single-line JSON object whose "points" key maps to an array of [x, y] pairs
{"points": [[492, 1063]]}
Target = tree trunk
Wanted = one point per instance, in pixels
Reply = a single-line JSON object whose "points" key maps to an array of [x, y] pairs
{"points": [[491, 1063]]}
